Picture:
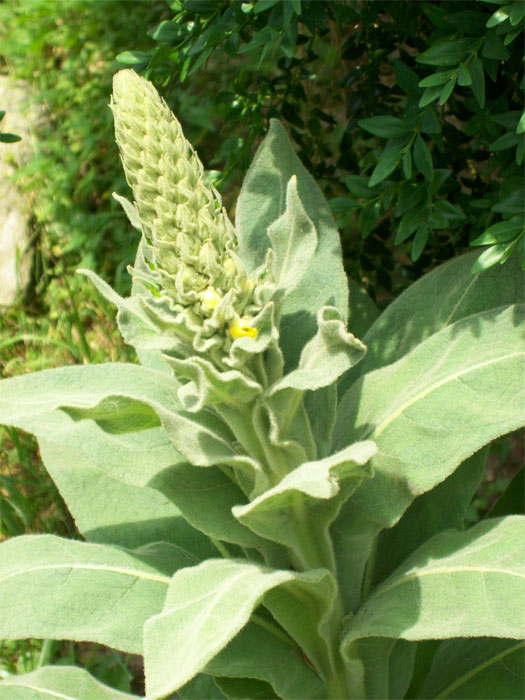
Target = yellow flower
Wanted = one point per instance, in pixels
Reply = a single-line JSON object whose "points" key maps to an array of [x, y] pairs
{"points": [[240, 328]]}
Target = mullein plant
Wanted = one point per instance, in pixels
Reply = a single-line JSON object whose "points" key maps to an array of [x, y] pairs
{"points": [[273, 508]]}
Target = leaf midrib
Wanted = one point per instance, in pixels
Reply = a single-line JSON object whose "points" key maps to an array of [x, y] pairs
{"points": [[377, 430], [91, 567], [417, 574], [477, 669]]}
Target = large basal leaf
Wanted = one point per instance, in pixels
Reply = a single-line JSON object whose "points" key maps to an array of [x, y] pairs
{"points": [[60, 682], [63, 589], [207, 605], [444, 296], [120, 398], [427, 412], [108, 510], [261, 202], [31, 401], [483, 668], [103, 477], [458, 584]]}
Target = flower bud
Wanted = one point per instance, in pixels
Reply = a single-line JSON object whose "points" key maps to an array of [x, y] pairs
{"points": [[189, 236]]}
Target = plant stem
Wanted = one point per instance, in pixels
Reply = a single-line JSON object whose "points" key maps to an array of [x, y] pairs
{"points": [[220, 547]]}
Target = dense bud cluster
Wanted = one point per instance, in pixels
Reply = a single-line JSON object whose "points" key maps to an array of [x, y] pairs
{"points": [[191, 240]]}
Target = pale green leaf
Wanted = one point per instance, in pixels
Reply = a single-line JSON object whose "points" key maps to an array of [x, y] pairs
{"points": [[321, 407], [206, 386], [103, 481], [457, 584], [326, 356], [242, 688], [130, 210], [363, 311], [200, 687], [202, 438], [261, 202], [103, 477], [447, 294], [206, 606], [28, 401], [387, 666], [294, 240], [142, 320], [62, 589], [267, 654], [427, 412], [59, 682], [441, 508], [483, 668], [206, 497], [283, 515]]}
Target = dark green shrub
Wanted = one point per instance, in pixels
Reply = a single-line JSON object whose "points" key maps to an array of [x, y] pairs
{"points": [[409, 113]]}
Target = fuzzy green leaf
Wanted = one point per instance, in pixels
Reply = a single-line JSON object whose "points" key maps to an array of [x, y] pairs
{"points": [[447, 294], [457, 584], [477, 668], [207, 386], [51, 587], [326, 356], [442, 508], [261, 202], [421, 410], [206, 606], [294, 240], [275, 514], [257, 652], [60, 682], [206, 497]]}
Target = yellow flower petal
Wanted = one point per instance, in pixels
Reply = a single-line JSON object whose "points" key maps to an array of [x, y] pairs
{"points": [[240, 328]]}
